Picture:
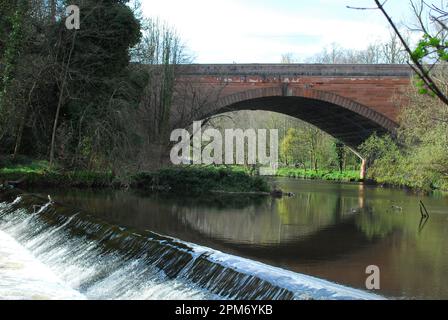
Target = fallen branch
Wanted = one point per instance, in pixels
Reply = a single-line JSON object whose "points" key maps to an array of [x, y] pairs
{"points": [[424, 214]]}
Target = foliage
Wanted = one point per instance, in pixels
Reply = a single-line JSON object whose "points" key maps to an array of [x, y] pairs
{"points": [[340, 154], [385, 160], [189, 180], [376, 148], [291, 147], [309, 148], [431, 51], [100, 88], [418, 156], [12, 26], [38, 177], [68, 92], [39, 167], [201, 180], [332, 175], [300, 144], [160, 52]]}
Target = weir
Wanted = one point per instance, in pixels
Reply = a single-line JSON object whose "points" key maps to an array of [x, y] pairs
{"points": [[98, 260]]}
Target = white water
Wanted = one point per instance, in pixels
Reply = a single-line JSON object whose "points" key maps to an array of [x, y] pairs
{"points": [[78, 262], [24, 277], [50, 263]]}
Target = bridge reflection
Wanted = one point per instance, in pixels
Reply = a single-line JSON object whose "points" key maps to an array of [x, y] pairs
{"points": [[307, 227], [328, 230]]}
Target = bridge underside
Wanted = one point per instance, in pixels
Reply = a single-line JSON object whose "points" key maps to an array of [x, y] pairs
{"points": [[346, 125]]}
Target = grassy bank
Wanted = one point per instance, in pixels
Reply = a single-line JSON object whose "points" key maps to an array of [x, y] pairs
{"points": [[349, 175], [176, 179], [184, 179], [37, 174], [332, 175]]}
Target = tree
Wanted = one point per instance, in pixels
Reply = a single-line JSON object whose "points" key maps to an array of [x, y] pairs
{"points": [[340, 152], [65, 92], [431, 50], [389, 51], [417, 156], [392, 50], [288, 58], [12, 45], [292, 150], [160, 52], [92, 62]]}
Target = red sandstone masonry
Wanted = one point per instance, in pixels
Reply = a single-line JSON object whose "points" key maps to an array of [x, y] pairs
{"points": [[366, 89]]}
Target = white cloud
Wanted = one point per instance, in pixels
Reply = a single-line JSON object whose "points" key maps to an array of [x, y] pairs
{"points": [[244, 31]]}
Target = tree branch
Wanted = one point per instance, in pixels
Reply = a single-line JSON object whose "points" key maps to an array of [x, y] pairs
{"points": [[422, 72]]}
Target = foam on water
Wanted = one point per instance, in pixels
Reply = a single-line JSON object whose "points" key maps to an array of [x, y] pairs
{"points": [[22, 276], [80, 262]]}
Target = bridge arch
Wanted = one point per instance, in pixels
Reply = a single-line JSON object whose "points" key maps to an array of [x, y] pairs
{"points": [[345, 119]]}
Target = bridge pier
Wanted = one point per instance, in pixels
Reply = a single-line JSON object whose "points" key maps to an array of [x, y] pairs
{"points": [[363, 171]]}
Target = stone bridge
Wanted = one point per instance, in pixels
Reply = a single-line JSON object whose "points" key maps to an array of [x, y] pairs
{"points": [[349, 102]]}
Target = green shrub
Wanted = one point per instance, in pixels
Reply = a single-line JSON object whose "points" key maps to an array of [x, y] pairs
{"points": [[350, 175], [200, 180]]}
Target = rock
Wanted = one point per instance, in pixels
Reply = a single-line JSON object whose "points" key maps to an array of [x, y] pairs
{"points": [[16, 183], [278, 193]]}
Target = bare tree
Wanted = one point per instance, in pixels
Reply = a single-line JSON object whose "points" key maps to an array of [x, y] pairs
{"points": [[333, 54], [389, 51], [392, 50], [288, 58], [61, 99], [431, 49]]}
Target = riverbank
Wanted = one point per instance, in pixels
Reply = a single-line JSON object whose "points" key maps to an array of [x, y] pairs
{"points": [[200, 180], [183, 179], [175, 179], [330, 175]]}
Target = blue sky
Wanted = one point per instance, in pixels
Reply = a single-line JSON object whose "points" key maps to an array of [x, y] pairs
{"points": [[260, 31]]}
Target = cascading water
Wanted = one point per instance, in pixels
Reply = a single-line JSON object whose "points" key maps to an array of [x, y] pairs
{"points": [[83, 257]]}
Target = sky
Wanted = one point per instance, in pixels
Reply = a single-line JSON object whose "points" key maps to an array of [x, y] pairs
{"points": [[261, 31]]}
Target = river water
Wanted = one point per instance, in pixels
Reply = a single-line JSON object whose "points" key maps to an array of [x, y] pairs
{"points": [[315, 245]]}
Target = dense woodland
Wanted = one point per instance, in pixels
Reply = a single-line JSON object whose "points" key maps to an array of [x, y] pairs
{"points": [[63, 91], [81, 100]]}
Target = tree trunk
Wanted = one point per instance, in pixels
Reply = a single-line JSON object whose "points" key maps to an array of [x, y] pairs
{"points": [[23, 121], [53, 11], [60, 101], [20, 133]]}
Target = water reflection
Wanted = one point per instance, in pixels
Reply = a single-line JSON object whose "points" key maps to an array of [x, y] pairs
{"points": [[328, 230]]}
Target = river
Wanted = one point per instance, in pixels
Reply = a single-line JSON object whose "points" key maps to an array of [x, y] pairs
{"points": [[314, 245]]}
